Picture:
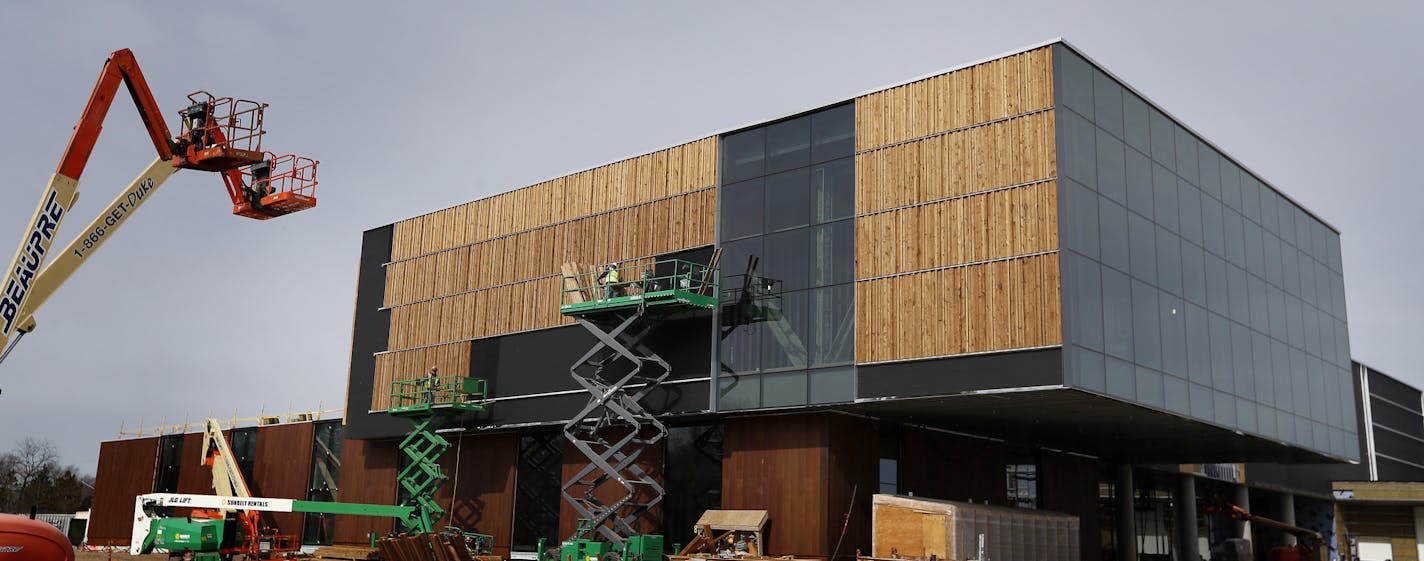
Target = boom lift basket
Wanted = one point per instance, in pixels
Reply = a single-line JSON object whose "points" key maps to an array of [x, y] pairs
{"points": [[219, 133], [275, 186]]}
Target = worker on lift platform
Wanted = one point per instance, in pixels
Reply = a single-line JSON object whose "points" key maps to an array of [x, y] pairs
{"points": [[609, 280], [431, 378]]}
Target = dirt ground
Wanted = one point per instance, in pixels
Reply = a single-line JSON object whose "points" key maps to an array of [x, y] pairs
{"points": [[120, 555]]}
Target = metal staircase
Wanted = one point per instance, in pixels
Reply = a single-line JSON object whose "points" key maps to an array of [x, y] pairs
{"points": [[425, 402], [613, 430]]}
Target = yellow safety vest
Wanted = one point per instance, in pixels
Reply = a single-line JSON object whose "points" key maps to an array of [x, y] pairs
{"points": [[611, 277]]}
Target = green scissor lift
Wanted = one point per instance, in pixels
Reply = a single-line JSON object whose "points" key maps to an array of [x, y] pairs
{"points": [[424, 402], [613, 429]]}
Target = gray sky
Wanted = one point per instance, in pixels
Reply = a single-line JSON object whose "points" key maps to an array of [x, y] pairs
{"points": [[412, 107]]}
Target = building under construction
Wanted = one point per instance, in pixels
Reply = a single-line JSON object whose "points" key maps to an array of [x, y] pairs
{"points": [[1017, 282]]}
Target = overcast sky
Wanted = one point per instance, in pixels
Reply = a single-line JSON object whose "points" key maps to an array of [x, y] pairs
{"points": [[411, 107]]}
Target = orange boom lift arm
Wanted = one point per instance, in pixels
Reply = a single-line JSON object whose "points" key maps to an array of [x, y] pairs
{"points": [[220, 135]]}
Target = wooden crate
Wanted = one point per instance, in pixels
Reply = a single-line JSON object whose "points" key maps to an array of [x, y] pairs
{"points": [[913, 527]]}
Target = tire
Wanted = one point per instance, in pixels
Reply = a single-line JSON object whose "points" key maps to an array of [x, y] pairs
{"points": [[611, 556]]}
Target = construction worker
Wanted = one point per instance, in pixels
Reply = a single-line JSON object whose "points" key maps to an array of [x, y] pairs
{"points": [[431, 380], [609, 280]]}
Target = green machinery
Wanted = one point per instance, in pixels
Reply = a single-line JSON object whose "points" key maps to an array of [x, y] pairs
{"points": [[425, 402], [614, 429], [216, 539]]}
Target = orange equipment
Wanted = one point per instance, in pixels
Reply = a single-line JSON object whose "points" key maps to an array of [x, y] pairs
{"points": [[218, 134]]}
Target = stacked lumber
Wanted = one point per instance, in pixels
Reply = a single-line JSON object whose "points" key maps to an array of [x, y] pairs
{"points": [[345, 553]]}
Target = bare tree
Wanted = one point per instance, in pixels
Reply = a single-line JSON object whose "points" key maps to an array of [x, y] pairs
{"points": [[35, 458]]}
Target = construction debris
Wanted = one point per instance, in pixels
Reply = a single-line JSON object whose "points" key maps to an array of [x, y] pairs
{"points": [[728, 534], [432, 546]]}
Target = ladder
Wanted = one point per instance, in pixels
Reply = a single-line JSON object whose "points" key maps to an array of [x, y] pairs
{"points": [[613, 429]]}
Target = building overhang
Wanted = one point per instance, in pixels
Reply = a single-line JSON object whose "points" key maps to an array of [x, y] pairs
{"points": [[1079, 421]]}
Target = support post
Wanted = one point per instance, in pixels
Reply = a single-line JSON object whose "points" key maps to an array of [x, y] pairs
{"points": [[1288, 516], [1126, 515], [1243, 500], [1186, 518]]}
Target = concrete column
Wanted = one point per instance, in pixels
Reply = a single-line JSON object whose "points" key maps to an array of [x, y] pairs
{"points": [[1243, 500], [1288, 515], [1126, 516], [1186, 518]]}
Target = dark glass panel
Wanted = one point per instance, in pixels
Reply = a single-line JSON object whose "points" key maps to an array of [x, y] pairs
{"points": [[743, 155], [833, 133], [788, 200], [743, 206], [788, 145], [833, 190]]}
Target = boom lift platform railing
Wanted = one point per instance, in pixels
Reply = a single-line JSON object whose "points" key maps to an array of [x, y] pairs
{"points": [[613, 429], [218, 134]]}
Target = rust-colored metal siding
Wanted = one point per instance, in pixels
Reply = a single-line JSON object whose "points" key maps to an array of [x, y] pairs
{"points": [[1069, 484], [368, 475], [481, 470], [126, 470], [808, 464], [938, 465], [281, 468], [609, 491]]}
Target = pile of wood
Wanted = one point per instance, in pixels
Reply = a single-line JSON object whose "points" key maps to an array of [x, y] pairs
{"points": [[345, 553], [428, 547], [578, 275]]}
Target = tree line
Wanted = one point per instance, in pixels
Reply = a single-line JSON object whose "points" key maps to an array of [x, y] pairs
{"points": [[31, 477]]}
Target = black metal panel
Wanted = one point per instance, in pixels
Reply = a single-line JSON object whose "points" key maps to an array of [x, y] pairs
{"points": [[1394, 390], [1397, 446], [1390, 470], [1391, 415], [371, 333], [955, 375]]}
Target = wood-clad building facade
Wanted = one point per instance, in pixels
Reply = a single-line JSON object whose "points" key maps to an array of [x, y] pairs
{"points": [[998, 283]]}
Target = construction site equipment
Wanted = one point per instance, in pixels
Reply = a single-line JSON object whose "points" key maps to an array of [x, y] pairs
{"points": [[218, 539], [424, 402], [25, 538], [642, 547], [1311, 545], [219, 134], [917, 528], [614, 429]]}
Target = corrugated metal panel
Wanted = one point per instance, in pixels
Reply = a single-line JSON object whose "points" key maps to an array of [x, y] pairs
{"points": [[282, 470], [126, 469]]}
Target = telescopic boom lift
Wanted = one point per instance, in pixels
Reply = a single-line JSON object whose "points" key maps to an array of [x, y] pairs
{"points": [[222, 135]]}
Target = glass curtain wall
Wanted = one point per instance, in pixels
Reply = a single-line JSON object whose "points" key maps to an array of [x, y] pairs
{"points": [[787, 231], [1189, 285]]}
